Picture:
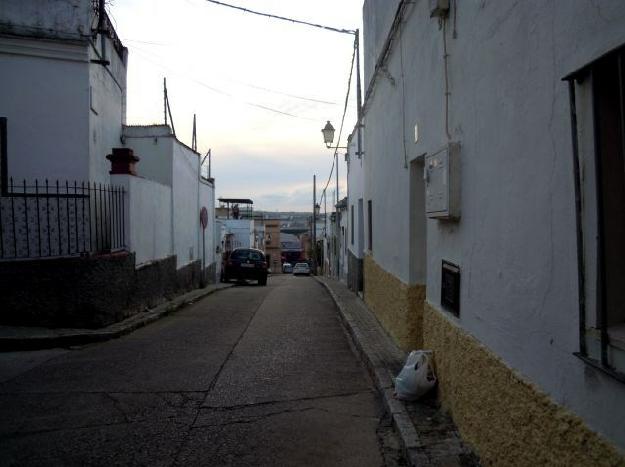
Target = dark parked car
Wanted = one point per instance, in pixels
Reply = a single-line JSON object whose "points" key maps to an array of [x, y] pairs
{"points": [[246, 263]]}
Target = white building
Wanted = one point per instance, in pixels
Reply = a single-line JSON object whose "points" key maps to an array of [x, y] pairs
{"points": [[477, 249], [62, 90], [355, 238], [62, 113], [242, 231]]}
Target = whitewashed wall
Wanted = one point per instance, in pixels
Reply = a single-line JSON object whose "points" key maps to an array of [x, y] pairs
{"points": [[186, 210], [515, 242], [355, 192], [64, 112], [207, 200], [44, 93], [153, 145], [243, 230], [147, 217], [107, 108]]}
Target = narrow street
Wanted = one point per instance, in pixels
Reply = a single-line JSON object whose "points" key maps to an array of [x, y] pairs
{"points": [[248, 376]]}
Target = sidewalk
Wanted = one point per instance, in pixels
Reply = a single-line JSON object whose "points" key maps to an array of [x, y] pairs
{"points": [[427, 432], [30, 338]]}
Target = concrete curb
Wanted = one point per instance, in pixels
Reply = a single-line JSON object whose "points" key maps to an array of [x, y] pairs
{"points": [[51, 338], [383, 381]]}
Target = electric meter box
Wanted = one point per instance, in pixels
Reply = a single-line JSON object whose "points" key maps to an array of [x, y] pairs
{"points": [[442, 183]]}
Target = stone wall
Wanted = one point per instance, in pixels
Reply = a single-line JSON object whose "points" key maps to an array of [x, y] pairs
{"points": [[189, 277], [398, 306], [507, 420], [88, 292]]}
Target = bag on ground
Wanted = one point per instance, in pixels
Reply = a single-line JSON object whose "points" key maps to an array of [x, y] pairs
{"points": [[416, 377]]}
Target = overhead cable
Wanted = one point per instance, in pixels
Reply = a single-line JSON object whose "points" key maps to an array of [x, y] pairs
{"points": [[283, 18], [338, 141], [224, 93]]}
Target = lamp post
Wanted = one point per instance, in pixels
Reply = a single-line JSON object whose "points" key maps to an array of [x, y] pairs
{"points": [[328, 138]]}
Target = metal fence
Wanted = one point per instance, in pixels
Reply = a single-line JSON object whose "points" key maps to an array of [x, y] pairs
{"points": [[60, 219]]}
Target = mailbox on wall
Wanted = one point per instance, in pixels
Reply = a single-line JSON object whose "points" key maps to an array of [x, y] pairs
{"points": [[442, 183]]}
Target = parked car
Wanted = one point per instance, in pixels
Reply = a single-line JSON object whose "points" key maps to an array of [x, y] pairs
{"points": [[287, 268], [301, 268], [246, 263]]}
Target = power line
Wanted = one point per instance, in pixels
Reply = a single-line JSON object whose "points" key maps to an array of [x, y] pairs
{"points": [[243, 83], [284, 18], [224, 93], [338, 141]]}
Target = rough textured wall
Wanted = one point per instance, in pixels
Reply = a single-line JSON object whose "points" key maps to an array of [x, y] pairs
{"points": [[155, 282], [398, 306], [66, 292], [189, 277], [506, 419], [88, 292]]}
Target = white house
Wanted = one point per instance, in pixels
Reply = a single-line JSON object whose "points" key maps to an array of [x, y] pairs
{"points": [[76, 180], [355, 238], [62, 90], [242, 231], [494, 221]]}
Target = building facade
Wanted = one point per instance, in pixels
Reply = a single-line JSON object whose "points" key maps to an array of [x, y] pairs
{"points": [[474, 243], [81, 190]]}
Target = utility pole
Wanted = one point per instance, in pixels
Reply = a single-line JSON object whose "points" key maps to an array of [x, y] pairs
{"points": [[194, 136], [165, 99], [337, 230], [314, 225]]}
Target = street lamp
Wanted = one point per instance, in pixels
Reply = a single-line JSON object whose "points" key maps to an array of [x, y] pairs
{"points": [[328, 134], [328, 138]]}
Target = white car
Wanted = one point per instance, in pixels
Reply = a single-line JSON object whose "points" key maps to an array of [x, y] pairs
{"points": [[287, 267], [301, 268]]}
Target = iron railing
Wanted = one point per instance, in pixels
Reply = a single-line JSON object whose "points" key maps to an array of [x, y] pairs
{"points": [[60, 219]]}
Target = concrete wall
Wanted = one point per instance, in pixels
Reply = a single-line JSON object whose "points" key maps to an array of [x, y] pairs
{"points": [[107, 108], [64, 112], [186, 211], [44, 93], [355, 192], [169, 163], [154, 146], [66, 19], [207, 250], [148, 218], [515, 242]]}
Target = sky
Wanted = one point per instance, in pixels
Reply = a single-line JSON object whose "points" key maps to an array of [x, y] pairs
{"points": [[240, 74]]}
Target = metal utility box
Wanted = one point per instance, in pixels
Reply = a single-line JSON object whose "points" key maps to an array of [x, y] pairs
{"points": [[442, 183]]}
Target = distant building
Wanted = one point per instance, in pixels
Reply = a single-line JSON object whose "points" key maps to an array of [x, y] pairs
{"points": [[272, 248]]}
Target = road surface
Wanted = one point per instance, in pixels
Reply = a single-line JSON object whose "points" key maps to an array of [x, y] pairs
{"points": [[247, 376]]}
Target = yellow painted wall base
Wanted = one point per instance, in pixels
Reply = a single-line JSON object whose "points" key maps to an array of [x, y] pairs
{"points": [[398, 306], [507, 420]]}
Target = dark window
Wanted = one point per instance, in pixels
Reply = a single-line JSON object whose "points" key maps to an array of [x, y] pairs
{"points": [[247, 254], [351, 224], [610, 165], [370, 224], [607, 77]]}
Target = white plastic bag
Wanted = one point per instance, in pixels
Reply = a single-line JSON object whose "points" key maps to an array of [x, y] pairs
{"points": [[416, 378]]}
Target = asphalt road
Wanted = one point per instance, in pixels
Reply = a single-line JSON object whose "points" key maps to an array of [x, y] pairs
{"points": [[248, 376]]}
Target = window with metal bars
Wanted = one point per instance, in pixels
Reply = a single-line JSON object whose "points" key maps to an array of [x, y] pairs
{"points": [[601, 247]]}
